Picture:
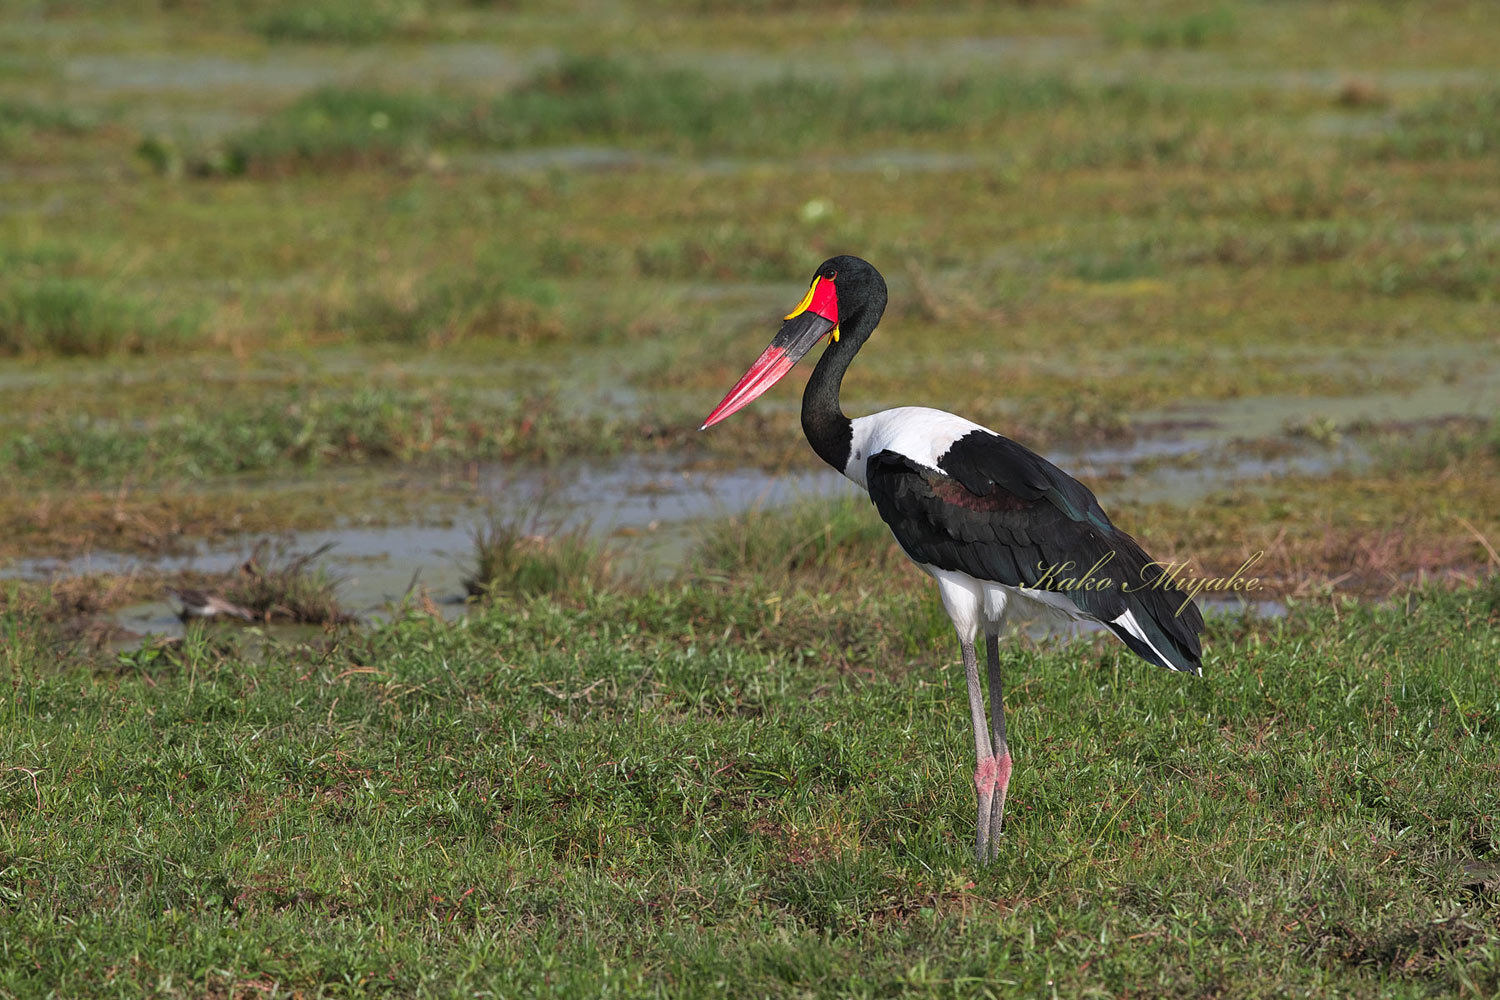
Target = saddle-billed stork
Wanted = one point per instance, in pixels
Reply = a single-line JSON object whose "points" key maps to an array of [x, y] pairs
{"points": [[1001, 529]]}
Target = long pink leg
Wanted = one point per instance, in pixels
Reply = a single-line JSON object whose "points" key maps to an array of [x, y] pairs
{"points": [[1000, 748], [986, 769]]}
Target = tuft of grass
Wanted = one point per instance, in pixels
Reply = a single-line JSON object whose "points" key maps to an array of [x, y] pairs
{"points": [[286, 588], [73, 318], [344, 128], [520, 557], [20, 118], [487, 304], [1457, 125], [347, 22], [1194, 29]]}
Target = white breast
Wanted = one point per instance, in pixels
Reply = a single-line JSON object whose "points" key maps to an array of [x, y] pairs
{"points": [[920, 433]]}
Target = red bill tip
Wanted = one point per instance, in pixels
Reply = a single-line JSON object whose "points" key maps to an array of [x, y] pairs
{"points": [[766, 372]]}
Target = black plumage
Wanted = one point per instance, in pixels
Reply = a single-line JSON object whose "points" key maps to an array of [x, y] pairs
{"points": [[1000, 512]]}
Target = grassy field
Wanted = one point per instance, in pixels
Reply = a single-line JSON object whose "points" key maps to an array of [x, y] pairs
{"points": [[272, 267], [757, 787]]}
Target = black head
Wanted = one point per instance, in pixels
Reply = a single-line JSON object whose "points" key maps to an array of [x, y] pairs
{"points": [[843, 303], [859, 285]]}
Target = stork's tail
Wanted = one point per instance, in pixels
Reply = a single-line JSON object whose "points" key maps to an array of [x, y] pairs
{"points": [[1160, 622]]}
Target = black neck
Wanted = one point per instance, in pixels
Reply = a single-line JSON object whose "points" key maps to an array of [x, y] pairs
{"points": [[823, 421]]}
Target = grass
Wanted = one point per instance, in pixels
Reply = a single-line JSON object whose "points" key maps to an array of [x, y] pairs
{"points": [[70, 610], [1423, 513], [693, 788], [292, 429], [488, 304], [1196, 29], [598, 99], [519, 558], [1447, 447], [1454, 125], [20, 120], [284, 589], [810, 541], [70, 318], [338, 21]]}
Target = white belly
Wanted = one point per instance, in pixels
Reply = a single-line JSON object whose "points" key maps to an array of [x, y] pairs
{"points": [[975, 604]]}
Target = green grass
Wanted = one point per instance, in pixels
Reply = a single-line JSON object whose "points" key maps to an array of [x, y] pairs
{"points": [[696, 789], [1194, 29], [598, 99], [1454, 125], [340, 21], [808, 541], [523, 557], [296, 427], [72, 318], [485, 303], [1449, 445], [20, 119]]}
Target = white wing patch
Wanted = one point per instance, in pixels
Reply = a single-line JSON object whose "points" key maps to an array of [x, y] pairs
{"points": [[920, 433]]}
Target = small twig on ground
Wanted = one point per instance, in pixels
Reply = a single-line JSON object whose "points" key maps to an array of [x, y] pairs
{"points": [[34, 786]]}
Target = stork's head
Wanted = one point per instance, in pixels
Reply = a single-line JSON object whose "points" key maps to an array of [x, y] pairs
{"points": [[842, 286]]}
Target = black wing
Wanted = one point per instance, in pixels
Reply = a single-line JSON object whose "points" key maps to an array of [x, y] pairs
{"points": [[998, 511]]}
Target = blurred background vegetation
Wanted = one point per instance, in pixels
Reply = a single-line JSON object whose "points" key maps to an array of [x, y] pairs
{"points": [[260, 238]]}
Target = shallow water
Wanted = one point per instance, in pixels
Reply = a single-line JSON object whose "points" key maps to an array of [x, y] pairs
{"points": [[649, 510], [285, 69]]}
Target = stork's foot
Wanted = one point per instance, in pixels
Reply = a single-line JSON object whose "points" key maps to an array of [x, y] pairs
{"points": [[985, 774], [991, 779], [997, 803]]}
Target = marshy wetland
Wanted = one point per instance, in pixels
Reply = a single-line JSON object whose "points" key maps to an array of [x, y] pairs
{"points": [[582, 700]]}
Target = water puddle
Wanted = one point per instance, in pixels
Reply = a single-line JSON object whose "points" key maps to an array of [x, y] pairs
{"points": [[1472, 394], [1183, 466], [289, 69], [648, 510]]}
